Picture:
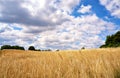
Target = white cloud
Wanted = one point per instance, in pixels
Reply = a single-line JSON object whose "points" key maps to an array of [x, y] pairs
{"points": [[36, 13], [4, 27], [12, 36], [85, 9], [67, 6], [32, 13], [77, 33], [113, 6], [73, 34], [50, 25]]}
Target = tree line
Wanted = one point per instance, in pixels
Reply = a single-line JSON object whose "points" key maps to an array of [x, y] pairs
{"points": [[12, 47], [21, 48]]}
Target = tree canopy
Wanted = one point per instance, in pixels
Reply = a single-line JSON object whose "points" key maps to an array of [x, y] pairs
{"points": [[12, 47], [31, 48], [112, 40]]}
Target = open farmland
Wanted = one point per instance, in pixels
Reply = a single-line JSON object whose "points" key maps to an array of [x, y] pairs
{"points": [[95, 63]]}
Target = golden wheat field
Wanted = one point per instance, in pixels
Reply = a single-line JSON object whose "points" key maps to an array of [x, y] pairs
{"points": [[94, 63]]}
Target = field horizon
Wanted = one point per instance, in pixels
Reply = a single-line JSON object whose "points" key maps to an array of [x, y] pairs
{"points": [[88, 63]]}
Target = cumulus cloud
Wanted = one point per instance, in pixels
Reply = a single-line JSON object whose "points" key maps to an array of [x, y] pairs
{"points": [[67, 6], [49, 24], [74, 34], [12, 36], [79, 32], [34, 13], [85, 9], [4, 27], [113, 6]]}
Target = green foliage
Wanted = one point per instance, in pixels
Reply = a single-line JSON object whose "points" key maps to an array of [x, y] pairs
{"points": [[18, 47], [5, 47], [31, 48], [12, 47], [57, 50], [48, 50], [83, 48], [37, 49], [112, 41], [43, 50]]}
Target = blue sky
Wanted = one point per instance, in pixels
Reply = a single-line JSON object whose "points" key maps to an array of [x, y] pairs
{"points": [[58, 24], [98, 9]]}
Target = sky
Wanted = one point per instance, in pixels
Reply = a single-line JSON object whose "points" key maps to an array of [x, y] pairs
{"points": [[58, 24]]}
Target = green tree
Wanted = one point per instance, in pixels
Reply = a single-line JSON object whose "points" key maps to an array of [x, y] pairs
{"points": [[5, 47], [31, 48], [12, 47], [112, 41], [83, 48]]}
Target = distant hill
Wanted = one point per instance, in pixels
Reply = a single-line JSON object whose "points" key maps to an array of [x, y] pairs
{"points": [[112, 41]]}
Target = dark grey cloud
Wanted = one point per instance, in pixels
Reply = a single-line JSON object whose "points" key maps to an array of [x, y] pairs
{"points": [[38, 29], [13, 12]]}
